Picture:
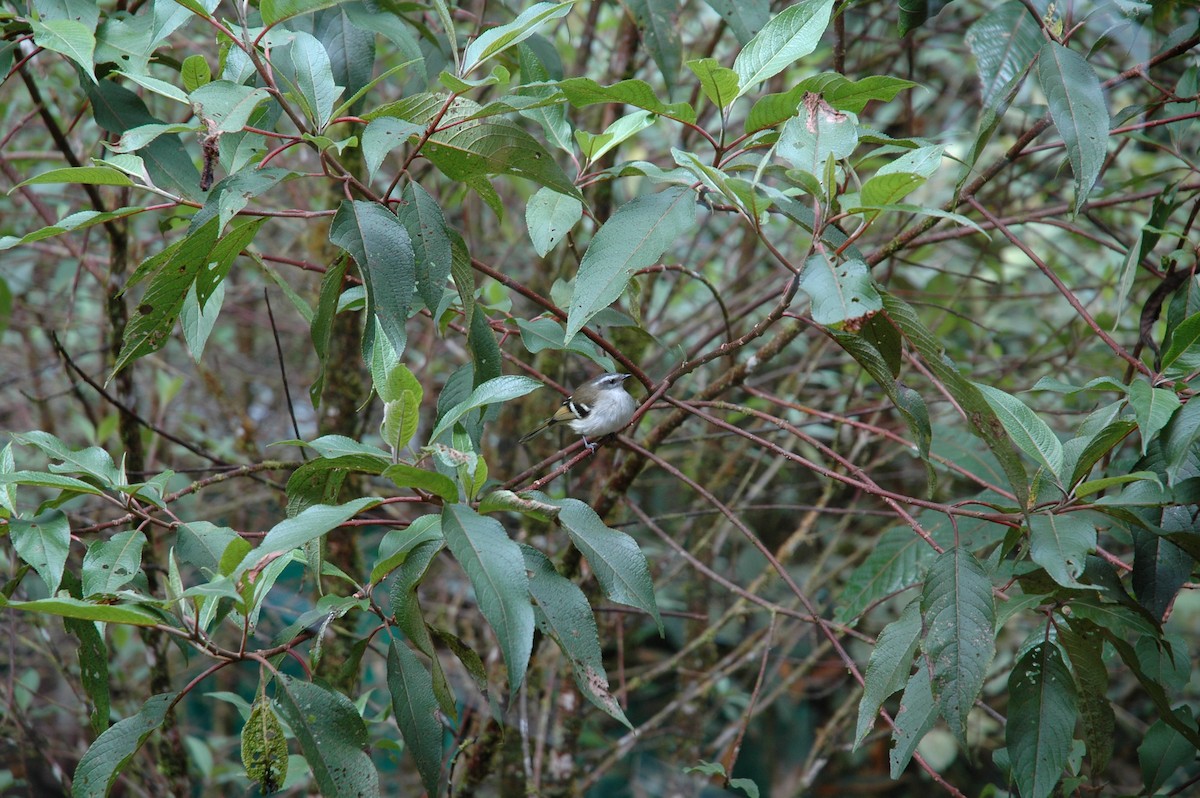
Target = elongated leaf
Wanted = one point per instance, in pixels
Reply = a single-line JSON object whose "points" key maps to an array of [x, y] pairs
{"points": [[309, 525], [1041, 720], [1164, 750], [496, 568], [744, 17], [840, 292], [1160, 569], [566, 616], [113, 749], [549, 216], [918, 711], [416, 712], [582, 92], [959, 617], [494, 391], [303, 63], [274, 11], [1027, 430], [1004, 42], [1079, 112], [889, 667], [227, 103], [430, 236], [70, 38], [498, 39], [658, 21], [380, 245], [634, 237], [68, 607], [1153, 408], [81, 175], [720, 84], [264, 748], [1183, 350], [791, 35], [896, 561], [332, 737], [1060, 543], [619, 565], [111, 564], [1085, 649]]}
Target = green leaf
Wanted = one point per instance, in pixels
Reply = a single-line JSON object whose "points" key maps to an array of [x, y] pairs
{"points": [[658, 22], [634, 237], [788, 37], [381, 247], [1164, 750], [1085, 648], [93, 670], [494, 391], [303, 63], [383, 135], [818, 135], [1100, 445], [981, 418], [619, 565], [582, 92], [1026, 429], [68, 37], [1079, 112], [74, 221], [744, 17], [498, 39], [111, 564], [430, 236], [399, 544], [566, 617], [1041, 720], [43, 542], [409, 476], [92, 461], [1004, 42], [889, 667], [914, 13], [549, 216], [840, 292], [1160, 569], [67, 607], [918, 711], [274, 11], [227, 103], [959, 617], [264, 748], [332, 737], [1179, 441], [896, 561], [1153, 408], [311, 524], [546, 333], [80, 175], [194, 72], [494, 564], [719, 84], [1060, 543], [594, 147], [470, 150], [1183, 350], [113, 750], [416, 711]]}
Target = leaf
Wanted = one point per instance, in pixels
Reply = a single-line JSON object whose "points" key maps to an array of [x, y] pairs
{"points": [[228, 104], [303, 63], [819, 134], [918, 711], [383, 135], [789, 36], [658, 22], [111, 564], [494, 565], [1164, 750], [719, 84], [1183, 350], [1004, 42], [112, 751], [416, 711], [1160, 569], [566, 616], [889, 667], [840, 293], [1179, 441], [68, 37], [68, 607], [43, 542], [959, 615], [582, 92], [430, 236], [744, 17], [619, 565], [1153, 408], [80, 175], [634, 237], [549, 216], [494, 391], [381, 247], [93, 671], [1060, 543], [332, 737], [1103, 442], [274, 11], [194, 72], [498, 39], [1079, 112], [1026, 429], [896, 561], [409, 476], [1085, 649], [914, 13], [1041, 720], [264, 748]]}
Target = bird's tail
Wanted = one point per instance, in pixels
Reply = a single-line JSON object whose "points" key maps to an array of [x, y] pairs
{"points": [[538, 430]]}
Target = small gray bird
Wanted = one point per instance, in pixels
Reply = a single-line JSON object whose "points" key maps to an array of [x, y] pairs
{"points": [[598, 407]]}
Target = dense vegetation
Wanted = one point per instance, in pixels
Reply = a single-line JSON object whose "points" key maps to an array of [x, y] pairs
{"points": [[908, 295]]}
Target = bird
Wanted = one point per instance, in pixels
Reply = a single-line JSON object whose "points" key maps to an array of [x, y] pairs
{"points": [[599, 406]]}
